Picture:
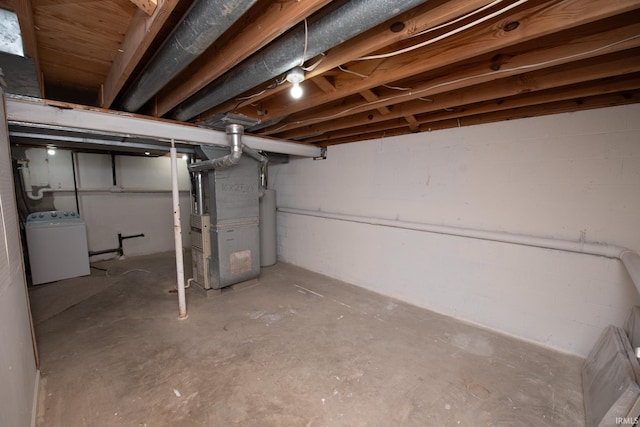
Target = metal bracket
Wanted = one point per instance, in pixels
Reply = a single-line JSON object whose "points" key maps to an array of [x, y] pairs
{"points": [[323, 154]]}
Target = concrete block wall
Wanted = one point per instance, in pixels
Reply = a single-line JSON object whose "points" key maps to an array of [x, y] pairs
{"points": [[148, 210], [570, 176]]}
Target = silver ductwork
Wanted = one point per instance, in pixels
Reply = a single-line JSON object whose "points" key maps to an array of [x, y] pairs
{"points": [[235, 132], [287, 52], [235, 135], [205, 21]]}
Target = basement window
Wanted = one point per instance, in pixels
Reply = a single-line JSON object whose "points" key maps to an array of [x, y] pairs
{"points": [[10, 36]]}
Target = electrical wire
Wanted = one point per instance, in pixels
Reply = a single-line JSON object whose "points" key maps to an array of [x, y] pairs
{"points": [[445, 35], [461, 18], [365, 76], [314, 65], [460, 80]]}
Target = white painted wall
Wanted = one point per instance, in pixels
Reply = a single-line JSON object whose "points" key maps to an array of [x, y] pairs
{"points": [[18, 375], [148, 210], [561, 176]]}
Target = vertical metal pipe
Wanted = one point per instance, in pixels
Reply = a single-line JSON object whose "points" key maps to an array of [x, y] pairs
{"points": [[113, 169], [75, 181], [199, 194], [182, 304]]}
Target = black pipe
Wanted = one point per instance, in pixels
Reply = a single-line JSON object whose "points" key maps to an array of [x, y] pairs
{"points": [[113, 169], [119, 249], [75, 182]]}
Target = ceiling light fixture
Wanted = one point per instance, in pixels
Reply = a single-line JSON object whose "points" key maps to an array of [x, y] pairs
{"points": [[51, 150], [295, 77]]}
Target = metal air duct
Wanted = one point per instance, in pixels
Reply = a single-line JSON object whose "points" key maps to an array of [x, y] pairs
{"points": [[205, 21], [235, 134], [344, 23]]}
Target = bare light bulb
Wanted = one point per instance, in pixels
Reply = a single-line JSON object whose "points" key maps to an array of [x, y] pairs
{"points": [[296, 91], [51, 151]]}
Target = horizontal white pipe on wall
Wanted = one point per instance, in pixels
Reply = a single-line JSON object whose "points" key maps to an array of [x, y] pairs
{"points": [[30, 111], [105, 190], [629, 258]]}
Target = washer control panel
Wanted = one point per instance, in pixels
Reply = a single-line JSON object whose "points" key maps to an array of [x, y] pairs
{"points": [[48, 216]]}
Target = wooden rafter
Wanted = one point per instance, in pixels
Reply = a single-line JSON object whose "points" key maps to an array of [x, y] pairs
{"points": [[142, 30], [571, 105], [539, 98], [534, 22], [369, 96], [147, 6], [279, 16], [445, 62], [425, 97], [422, 18], [467, 76]]}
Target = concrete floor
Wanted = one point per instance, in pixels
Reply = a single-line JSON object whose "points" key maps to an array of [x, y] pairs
{"points": [[296, 349]]}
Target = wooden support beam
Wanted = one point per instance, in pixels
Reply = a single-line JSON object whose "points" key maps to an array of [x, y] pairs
{"points": [[536, 59], [598, 68], [279, 17], [7, 5], [413, 123], [599, 101], [431, 14], [369, 96], [540, 100], [324, 84], [534, 22], [142, 30], [147, 6], [618, 84], [71, 116]]}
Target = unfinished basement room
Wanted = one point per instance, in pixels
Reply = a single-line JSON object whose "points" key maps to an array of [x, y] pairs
{"points": [[319, 213]]}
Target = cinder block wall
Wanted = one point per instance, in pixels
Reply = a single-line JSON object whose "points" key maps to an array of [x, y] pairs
{"points": [[567, 176], [149, 210]]}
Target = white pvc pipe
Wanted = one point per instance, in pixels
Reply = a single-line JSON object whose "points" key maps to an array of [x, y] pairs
{"points": [[629, 258], [182, 304], [26, 183]]}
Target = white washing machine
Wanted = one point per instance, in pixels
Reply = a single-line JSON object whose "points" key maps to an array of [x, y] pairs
{"points": [[57, 245]]}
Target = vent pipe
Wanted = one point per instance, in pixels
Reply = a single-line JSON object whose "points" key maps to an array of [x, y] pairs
{"points": [[287, 52], [235, 134], [203, 23]]}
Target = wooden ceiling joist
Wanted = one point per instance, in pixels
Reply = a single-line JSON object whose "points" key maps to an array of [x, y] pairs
{"points": [[141, 33], [623, 62], [534, 23], [147, 6], [219, 58], [443, 63], [567, 106], [539, 99], [539, 58], [430, 15]]}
